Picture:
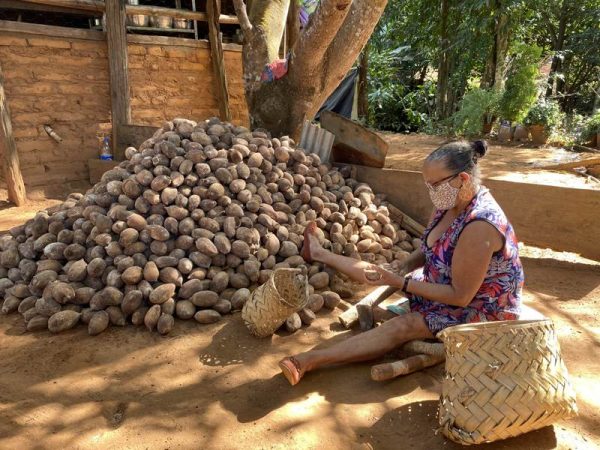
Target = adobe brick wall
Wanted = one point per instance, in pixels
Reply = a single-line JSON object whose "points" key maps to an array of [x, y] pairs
{"points": [[65, 83], [178, 81], [59, 82]]}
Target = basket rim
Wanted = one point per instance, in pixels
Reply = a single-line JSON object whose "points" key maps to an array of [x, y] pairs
{"points": [[486, 327], [273, 286]]}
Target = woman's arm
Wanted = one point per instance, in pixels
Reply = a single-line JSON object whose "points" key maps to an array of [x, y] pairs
{"points": [[471, 259]]}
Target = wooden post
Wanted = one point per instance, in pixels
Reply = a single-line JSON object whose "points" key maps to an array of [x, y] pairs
{"points": [[116, 35], [213, 8], [363, 100], [12, 170]]}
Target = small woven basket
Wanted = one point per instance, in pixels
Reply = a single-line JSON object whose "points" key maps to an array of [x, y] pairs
{"points": [[284, 293], [502, 379]]}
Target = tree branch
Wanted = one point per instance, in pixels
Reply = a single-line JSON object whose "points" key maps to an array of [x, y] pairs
{"points": [[242, 14], [268, 18], [321, 30], [349, 41]]}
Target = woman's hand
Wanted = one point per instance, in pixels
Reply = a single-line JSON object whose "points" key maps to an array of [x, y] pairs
{"points": [[378, 276]]}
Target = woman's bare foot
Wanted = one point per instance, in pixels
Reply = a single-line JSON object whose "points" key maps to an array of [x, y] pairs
{"points": [[291, 369], [311, 249]]}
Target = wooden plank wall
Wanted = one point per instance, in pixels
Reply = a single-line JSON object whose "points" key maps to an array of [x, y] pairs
{"points": [[563, 219]]}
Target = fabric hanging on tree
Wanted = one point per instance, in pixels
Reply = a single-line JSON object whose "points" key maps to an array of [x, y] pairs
{"points": [[307, 7], [342, 99], [275, 70]]}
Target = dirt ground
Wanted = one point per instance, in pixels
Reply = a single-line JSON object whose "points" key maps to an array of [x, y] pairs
{"points": [[217, 387], [516, 162]]}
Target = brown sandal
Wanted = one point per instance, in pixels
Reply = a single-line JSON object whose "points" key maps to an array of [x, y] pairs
{"points": [[305, 253], [290, 367]]}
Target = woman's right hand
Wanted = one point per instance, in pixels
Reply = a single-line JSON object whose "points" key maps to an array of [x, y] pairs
{"points": [[380, 276]]}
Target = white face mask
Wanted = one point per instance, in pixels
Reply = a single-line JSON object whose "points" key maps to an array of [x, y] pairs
{"points": [[444, 195]]}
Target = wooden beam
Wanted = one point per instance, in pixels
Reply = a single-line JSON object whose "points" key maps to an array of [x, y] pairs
{"points": [[175, 41], [51, 30], [116, 34], [571, 164], [99, 7], [12, 170], [406, 222], [178, 13], [216, 54], [27, 6], [81, 5]]}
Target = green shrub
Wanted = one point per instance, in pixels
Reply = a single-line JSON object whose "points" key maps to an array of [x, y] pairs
{"points": [[592, 127], [478, 106], [545, 112], [394, 107], [521, 88]]}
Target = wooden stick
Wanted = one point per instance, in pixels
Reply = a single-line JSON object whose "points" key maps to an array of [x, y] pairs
{"points": [[12, 169], [350, 316], [583, 148], [116, 36], [406, 222], [218, 60], [387, 371]]}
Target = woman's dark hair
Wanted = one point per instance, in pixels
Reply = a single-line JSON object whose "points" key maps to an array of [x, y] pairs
{"points": [[460, 156]]}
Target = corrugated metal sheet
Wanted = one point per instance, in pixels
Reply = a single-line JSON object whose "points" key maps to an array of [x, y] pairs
{"points": [[317, 140]]}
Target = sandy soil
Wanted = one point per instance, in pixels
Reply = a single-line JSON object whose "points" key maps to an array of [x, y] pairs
{"points": [[516, 162]]}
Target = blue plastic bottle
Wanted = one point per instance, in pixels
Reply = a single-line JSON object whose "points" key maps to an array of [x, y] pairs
{"points": [[106, 154]]}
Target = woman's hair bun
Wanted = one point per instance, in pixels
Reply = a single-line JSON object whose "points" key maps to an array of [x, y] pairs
{"points": [[479, 149]]}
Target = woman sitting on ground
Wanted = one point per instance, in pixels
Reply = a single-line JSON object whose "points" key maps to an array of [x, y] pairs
{"points": [[467, 269]]}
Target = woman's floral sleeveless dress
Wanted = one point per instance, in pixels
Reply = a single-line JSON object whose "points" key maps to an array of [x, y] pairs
{"points": [[499, 297]]}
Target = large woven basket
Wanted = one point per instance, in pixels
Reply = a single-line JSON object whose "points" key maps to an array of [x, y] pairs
{"points": [[285, 293], [502, 379]]}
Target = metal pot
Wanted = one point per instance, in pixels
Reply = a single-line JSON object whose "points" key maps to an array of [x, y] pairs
{"points": [[133, 2], [181, 24], [161, 21], [138, 20]]}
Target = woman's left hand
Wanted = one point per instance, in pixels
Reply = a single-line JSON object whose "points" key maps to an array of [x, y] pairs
{"points": [[385, 278]]}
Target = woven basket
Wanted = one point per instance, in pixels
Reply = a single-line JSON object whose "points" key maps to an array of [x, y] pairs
{"points": [[285, 293], [502, 379]]}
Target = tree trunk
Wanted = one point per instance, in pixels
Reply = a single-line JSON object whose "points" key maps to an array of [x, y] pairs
{"points": [[495, 66], [444, 62], [557, 83], [363, 99], [320, 58]]}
